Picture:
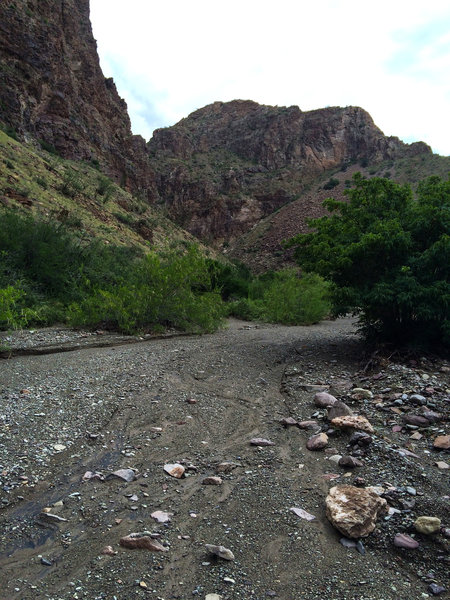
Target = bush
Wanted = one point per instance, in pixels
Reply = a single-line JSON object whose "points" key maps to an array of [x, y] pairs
{"points": [[171, 290], [14, 314], [388, 257], [72, 184], [331, 183]]}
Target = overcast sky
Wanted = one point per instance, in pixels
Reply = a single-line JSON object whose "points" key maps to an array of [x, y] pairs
{"points": [[391, 57]]}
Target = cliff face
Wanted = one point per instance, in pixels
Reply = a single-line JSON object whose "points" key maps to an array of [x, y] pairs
{"points": [[52, 89], [226, 166]]}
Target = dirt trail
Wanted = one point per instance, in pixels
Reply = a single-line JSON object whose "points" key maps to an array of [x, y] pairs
{"points": [[96, 410]]}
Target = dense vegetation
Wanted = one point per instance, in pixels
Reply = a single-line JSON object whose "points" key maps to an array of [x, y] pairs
{"points": [[48, 274], [387, 255]]}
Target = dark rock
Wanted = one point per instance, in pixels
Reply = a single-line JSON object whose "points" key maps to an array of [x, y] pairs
{"points": [[435, 589], [350, 462], [339, 409]]}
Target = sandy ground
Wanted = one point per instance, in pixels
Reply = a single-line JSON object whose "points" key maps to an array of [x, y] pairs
{"points": [[199, 401]]}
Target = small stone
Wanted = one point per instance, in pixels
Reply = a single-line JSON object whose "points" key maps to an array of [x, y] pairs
{"points": [[317, 442], [417, 420], [174, 470], [142, 584], [109, 551], [145, 542], [335, 458], [46, 562], [441, 464], [418, 399], [347, 543], [124, 474], [324, 400], [226, 467], [308, 424], [212, 481], [161, 516], [361, 393], [303, 514], [288, 422], [261, 442], [59, 447], [220, 551], [442, 442], [416, 436], [402, 540], [360, 438], [350, 462], [435, 589], [229, 580], [339, 409], [353, 421], [213, 597], [427, 525]]}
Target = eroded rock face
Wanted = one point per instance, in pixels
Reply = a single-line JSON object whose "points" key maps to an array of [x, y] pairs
{"points": [[354, 511], [230, 164], [52, 89]]}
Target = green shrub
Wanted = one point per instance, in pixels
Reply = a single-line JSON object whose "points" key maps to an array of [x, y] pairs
{"points": [[72, 184], [331, 183], [388, 257], [14, 314], [162, 290]]}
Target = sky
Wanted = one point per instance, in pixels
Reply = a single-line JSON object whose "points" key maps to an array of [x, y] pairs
{"points": [[171, 57]]}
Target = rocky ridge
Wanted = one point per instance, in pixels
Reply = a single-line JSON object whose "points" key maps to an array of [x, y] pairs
{"points": [[52, 90]]}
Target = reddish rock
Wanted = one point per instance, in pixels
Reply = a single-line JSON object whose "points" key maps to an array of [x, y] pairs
{"points": [[354, 511], [401, 540], [289, 422], [442, 442], [317, 442], [175, 470], [144, 542], [324, 400]]}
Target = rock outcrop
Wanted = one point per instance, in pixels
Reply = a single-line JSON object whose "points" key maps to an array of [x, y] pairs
{"points": [[228, 165], [52, 89]]}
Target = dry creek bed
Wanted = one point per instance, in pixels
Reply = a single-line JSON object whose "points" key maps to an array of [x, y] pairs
{"points": [[69, 420]]}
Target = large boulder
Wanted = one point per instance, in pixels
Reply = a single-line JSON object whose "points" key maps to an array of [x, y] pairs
{"points": [[353, 511]]}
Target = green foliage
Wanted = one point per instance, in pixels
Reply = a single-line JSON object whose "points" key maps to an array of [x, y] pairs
{"points": [[14, 314], [72, 184], [48, 147], [388, 258], [331, 183], [284, 297], [171, 290], [47, 273], [105, 188]]}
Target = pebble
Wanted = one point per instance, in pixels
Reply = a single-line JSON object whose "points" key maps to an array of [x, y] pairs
{"points": [[324, 400], [213, 597], [303, 514], [402, 540], [212, 481], [317, 442], [124, 474], [353, 422], [174, 470], [427, 525], [145, 542], [361, 393], [441, 464], [108, 551], [161, 516], [435, 589], [261, 442], [220, 551], [339, 409], [46, 562], [442, 442], [350, 461], [288, 422]]}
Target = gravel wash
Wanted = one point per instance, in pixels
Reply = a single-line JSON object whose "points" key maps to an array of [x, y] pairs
{"points": [[70, 420]]}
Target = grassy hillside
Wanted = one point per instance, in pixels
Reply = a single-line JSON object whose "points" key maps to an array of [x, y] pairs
{"points": [[38, 182]]}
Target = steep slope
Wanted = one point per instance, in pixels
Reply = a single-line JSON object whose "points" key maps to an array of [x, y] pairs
{"points": [[229, 165], [52, 89]]}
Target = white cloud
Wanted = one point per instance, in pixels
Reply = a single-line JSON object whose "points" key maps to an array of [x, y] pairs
{"points": [[391, 58]]}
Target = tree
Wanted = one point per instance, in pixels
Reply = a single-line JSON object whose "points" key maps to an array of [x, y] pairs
{"points": [[387, 256]]}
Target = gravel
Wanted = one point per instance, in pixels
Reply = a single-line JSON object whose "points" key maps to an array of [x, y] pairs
{"points": [[197, 401]]}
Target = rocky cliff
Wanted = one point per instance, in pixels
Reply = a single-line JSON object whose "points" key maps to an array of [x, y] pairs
{"points": [[52, 89], [228, 165]]}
